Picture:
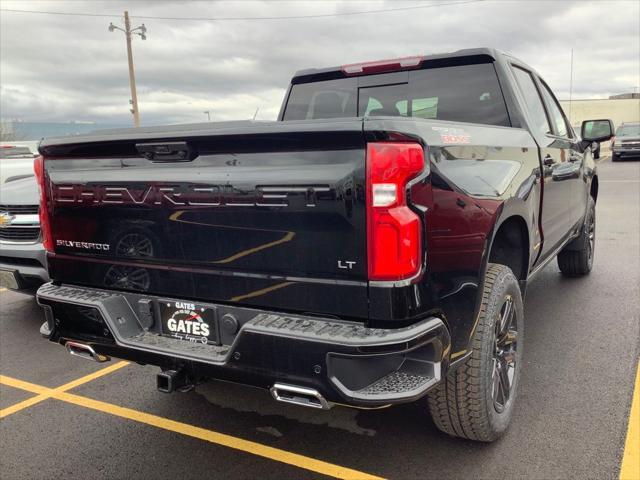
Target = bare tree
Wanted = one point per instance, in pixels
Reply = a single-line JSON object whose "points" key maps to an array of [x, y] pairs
{"points": [[8, 133]]}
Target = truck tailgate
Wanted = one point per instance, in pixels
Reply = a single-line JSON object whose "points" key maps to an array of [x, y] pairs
{"points": [[268, 215]]}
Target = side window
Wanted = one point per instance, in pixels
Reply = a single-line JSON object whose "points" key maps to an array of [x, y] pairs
{"points": [[557, 115], [533, 101]]}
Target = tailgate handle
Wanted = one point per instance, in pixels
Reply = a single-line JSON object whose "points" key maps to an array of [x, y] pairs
{"points": [[166, 151]]}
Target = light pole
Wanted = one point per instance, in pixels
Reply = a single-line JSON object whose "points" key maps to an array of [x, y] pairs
{"points": [[139, 30], [208, 115]]}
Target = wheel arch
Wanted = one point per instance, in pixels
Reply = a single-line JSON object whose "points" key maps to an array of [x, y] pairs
{"points": [[510, 246], [509, 227]]}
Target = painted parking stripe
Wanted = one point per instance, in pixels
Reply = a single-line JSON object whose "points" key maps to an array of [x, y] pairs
{"points": [[272, 453], [630, 469], [63, 388]]}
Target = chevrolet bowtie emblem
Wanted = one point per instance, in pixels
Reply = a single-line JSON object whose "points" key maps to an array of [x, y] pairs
{"points": [[5, 219]]}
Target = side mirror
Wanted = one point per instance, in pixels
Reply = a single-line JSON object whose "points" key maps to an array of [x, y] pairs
{"points": [[596, 130]]}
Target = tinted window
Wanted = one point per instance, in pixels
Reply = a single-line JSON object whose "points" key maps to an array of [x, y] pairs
{"points": [[466, 93], [557, 116], [387, 100], [328, 99], [533, 101]]}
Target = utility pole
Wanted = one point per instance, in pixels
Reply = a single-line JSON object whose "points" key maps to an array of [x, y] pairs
{"points": [[128, 31]]}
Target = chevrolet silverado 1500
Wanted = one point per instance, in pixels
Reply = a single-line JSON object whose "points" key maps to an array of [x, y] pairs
{"points": [[370, 247]]}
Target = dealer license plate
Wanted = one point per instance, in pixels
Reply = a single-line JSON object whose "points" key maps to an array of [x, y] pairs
{"points": [[188, 321]]}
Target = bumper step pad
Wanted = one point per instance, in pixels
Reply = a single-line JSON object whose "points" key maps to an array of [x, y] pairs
{"points": [[395, 382]]}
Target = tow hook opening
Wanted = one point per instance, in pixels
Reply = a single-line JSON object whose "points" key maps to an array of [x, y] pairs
{"points": [[169, 381], [303, 396]]}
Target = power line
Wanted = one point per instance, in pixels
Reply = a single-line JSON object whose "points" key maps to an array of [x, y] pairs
{"points": [[222, 19]]}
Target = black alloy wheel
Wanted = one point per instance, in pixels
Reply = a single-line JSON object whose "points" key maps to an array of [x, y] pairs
{"points": [[504, 355]]}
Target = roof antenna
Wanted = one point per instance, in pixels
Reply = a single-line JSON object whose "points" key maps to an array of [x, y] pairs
{"points": [[571, 88]]}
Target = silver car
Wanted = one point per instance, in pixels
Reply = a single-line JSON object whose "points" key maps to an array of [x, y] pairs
{"points": [[626, 143], [22, 256]]}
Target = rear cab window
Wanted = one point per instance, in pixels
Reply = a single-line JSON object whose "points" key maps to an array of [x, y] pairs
{"points": [[461, 93]]}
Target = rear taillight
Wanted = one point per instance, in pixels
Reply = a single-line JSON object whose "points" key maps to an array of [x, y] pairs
{"points": [[394, 246], [45, 225]]}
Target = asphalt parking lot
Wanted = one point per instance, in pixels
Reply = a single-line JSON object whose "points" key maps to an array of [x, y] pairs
{"points": [[65, 417]]}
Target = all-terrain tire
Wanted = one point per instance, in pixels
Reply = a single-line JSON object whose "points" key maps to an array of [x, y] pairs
{"points": [[464, 403], [576, 259]]}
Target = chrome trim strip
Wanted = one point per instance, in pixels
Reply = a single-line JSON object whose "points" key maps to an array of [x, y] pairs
{"points": [[23, 220], [211, 271]]}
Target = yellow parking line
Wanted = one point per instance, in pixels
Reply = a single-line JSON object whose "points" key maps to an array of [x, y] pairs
{"points": [[44, 392], [287, 238], [22, 405], [211, 436], [2, 289], [92, 376], [26, 386], [630, 469], [262, 291]]}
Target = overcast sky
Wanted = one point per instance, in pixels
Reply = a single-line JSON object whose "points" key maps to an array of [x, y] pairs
{"points": [[63, 68]]}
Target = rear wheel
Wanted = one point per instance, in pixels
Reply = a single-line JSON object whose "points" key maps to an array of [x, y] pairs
{"points": [[476, 399], [614, 157], [576, 259]]}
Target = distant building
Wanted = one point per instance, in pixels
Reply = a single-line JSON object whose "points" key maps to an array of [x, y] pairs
{"points": [[622, 96], [619, 110], [11, 130]]}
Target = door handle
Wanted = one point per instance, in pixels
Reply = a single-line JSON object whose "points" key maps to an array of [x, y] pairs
{"points": [[548, 161]]}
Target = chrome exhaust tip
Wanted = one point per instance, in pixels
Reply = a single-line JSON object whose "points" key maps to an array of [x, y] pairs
{"points": [[303, 396], [85, 351]]}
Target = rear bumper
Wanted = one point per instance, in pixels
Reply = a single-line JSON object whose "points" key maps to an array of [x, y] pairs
{"points": [[345, 362], [23, 265], [626, 152]]}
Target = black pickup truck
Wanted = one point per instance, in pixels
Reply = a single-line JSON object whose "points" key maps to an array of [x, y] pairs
{"points": [[370, 247]]}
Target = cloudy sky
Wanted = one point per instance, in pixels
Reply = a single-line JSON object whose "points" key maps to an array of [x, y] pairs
{"points": [[64, 67]]}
